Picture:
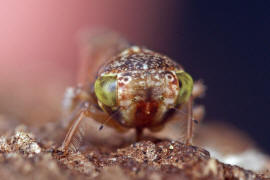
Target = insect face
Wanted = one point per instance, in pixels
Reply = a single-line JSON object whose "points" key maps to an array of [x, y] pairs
{"points": [[142, 97], [145, 96]]}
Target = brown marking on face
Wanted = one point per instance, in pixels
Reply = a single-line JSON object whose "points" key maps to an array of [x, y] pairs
{"points": [[145, 112], [121, 84]]}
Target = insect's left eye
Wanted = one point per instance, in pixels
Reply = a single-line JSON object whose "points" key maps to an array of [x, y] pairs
{"points": [[186, 86], [105, 89]]}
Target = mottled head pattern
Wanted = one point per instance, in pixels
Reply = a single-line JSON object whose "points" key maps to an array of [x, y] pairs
{"points": [[147, 87], [139, 59]]}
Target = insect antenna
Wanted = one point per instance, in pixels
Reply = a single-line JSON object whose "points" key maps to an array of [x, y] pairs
{"points": [[111, 116], [180, 111], [107, 119]]}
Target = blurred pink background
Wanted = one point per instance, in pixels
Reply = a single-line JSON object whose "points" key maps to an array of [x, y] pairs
{"points": [[39, 52]]}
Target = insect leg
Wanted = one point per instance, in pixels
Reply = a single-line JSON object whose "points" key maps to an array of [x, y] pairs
{"points": [[198, 113], [198, 89], [71, 142], [78, 124], [189, 121], [198, 92]]}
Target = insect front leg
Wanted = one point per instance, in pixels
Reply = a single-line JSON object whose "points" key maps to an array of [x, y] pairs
{"points": [[189, 121], [198, 91], [72, 102], [78, 125], [75, 132]]}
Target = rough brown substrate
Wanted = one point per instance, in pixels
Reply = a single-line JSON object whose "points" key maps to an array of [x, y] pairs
{"points": [[22, 157]]}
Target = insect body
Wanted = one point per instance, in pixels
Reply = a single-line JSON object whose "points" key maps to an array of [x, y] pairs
{"points": [[138, 88]]}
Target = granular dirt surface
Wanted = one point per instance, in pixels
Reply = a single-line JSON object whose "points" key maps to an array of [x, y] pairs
{"points": [[24, 156]]}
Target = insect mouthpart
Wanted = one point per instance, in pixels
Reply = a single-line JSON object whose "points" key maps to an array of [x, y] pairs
{"points": [[145, 112]]}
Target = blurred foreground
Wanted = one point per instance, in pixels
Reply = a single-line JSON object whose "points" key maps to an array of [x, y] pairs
{"points": [[31, 153]]}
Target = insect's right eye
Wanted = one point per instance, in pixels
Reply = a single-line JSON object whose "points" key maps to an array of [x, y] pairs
{"points": [[105, 89]]}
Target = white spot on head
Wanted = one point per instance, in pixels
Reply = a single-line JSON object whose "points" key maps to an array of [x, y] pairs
{"points": [[156, 77], [135, 48], [125, 52], [125, 103], [169, 101], [145, 66], [158, 83], [127, 79], [124, 78], [174, 87], [169, 77]]}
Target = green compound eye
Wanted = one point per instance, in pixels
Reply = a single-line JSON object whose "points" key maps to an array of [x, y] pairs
{"points": [[105, 89], [186, 86]]}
